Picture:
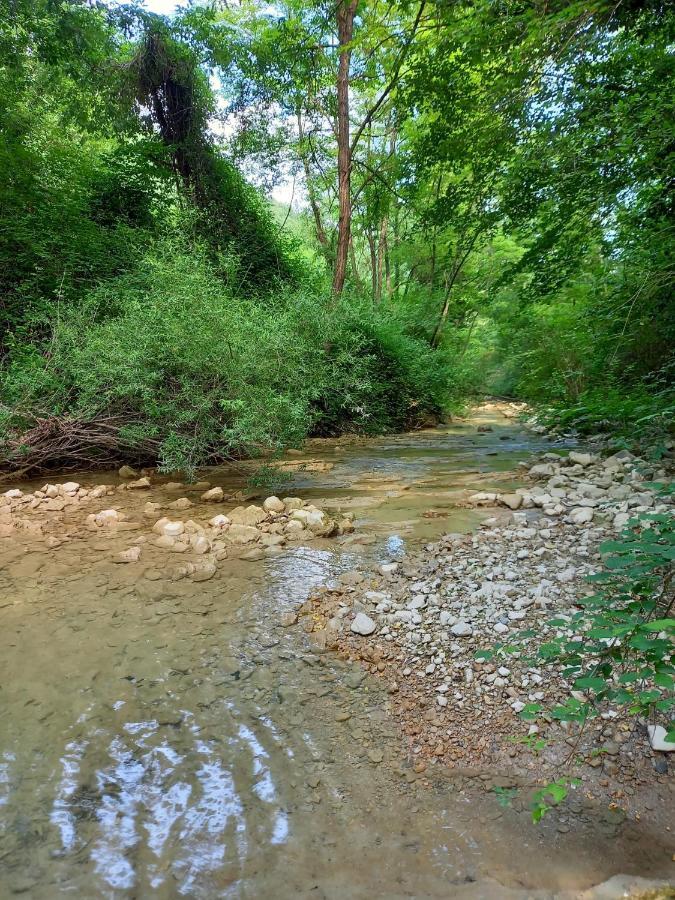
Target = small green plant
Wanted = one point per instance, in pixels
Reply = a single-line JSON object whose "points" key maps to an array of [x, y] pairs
{"points": [[505, 795], [551, 795], [533, 742]]}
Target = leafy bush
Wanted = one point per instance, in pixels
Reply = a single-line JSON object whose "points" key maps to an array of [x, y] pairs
{"points": [[178, 362]]}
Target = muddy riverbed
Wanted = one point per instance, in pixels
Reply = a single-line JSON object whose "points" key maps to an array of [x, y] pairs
{"points": [[171, 738]]}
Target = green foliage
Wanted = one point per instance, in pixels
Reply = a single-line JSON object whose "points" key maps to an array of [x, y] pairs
{"points": [[551, 795], [617, 647], [206, 374]]}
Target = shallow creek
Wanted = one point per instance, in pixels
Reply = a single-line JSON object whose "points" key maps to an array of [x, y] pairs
{"points": [[168, 739]]}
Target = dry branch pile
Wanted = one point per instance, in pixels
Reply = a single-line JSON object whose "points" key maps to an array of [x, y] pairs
{"points": [[66, 443]]}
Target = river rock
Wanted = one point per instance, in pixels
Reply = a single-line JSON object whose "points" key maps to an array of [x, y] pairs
{"points": [[292, 503], [462, 629], [173, 529], [274, 505], [241, 534], [249, 515], [657, 739], [213, 495], [542, 470], [70, 487], [181, 503], [388, 568], [141, 485], [252, 555], [127, 472], [513, 501], [200, 544], [363, 625], [107, 518], [133, 554], [220, 521], [580, 459], [581, 515], [203, 571]]}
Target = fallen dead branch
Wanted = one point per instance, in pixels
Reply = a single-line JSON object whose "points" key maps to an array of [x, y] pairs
{"points": [[66, 443]]}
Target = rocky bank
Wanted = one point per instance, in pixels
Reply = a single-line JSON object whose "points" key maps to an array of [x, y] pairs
{"points": [[419, 621]]}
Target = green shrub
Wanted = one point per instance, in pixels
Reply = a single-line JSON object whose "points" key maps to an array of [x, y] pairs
{"points": [[176, 360]]}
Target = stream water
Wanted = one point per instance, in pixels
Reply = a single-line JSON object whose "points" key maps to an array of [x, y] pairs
{"points": [[172, 739]]}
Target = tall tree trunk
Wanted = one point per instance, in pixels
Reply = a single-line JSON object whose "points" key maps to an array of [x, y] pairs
{"points": [[346, 11]]}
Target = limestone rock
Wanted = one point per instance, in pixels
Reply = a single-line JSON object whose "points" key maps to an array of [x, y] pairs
{"points": [[657, 739], [203, 571], [513, 501], [200, 544], [363, 625], [292, 503], [133, 554], [107, 518], [274, 505], [581, 459], [141, 485], [581, 515], [213, 495], [220, 521], [127, 472], [249, 515], [181, 503], [241, 534]]}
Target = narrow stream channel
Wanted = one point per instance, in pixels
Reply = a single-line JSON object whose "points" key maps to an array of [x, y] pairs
{"points": [[172, 739]]}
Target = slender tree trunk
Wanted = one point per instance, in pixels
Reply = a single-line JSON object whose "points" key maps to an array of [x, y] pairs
{"points": [[345, 23], [373, 262], [381, 254], [311, 190], [354, 265]]}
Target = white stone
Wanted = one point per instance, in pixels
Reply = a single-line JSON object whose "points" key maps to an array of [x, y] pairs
{"points": [[581, 515], [219, 521], [173, 529], [388, 568], [462, 629], [274, 505], [657, 739], [363, 625], [581, 459]]}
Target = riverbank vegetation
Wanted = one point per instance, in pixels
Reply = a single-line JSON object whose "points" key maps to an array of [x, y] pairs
{"points": [[479, 198]]}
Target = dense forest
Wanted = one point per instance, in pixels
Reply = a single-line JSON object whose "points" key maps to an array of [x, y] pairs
{"points": [[482, 202]]}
